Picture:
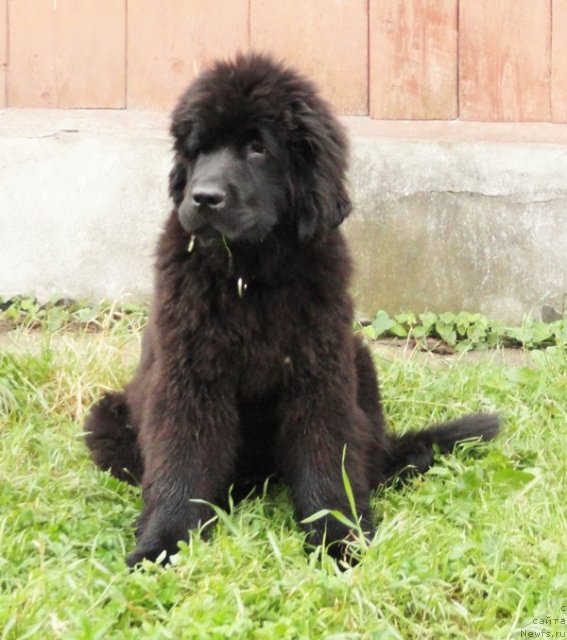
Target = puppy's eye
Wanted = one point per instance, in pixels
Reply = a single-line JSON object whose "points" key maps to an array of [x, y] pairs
{"points": [[255, 149]]}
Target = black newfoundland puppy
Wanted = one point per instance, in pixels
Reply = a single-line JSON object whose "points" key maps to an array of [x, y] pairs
{"points": [[249, 365]]}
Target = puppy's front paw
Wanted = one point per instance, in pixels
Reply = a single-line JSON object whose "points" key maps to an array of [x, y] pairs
{"points": [[151, 551], [157, 533], [338, 540]]}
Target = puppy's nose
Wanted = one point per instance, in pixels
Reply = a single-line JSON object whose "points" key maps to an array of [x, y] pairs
{"points": [[208, 196]]}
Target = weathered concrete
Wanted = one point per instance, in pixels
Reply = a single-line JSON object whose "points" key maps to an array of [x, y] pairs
{"points": [[452, 225], [440, 221], [82, 200]]}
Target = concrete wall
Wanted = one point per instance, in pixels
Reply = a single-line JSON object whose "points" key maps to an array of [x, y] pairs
{"points": [[459, 226], [446, 218]]}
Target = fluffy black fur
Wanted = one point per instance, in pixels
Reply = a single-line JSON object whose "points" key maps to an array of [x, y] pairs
{"points": [[249, 365]]}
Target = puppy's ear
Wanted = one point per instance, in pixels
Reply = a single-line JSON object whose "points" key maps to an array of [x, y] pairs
{"points": [[322, 200], [323, 213], [177, 182], [341, 207]]}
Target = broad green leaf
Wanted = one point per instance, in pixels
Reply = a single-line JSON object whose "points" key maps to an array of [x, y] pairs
{"points": [[428, 319], [541, 332], [405, 318], [399, 330], [369, 332], [382, 323], [446, 332]]}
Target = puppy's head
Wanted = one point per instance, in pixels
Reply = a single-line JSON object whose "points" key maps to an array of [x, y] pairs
{"points": [[232, 187], [257, 152]]}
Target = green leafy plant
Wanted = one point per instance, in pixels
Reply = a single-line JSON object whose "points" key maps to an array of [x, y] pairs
{"points": [[464, 331], [65, 314], [461, 331]]}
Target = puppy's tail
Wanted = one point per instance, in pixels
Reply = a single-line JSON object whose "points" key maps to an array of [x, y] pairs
{"points": [[413, 452], [112, 440]]}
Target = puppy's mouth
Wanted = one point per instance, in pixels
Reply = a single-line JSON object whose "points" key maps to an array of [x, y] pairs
{"points": [[208, 237], [214, 230]]}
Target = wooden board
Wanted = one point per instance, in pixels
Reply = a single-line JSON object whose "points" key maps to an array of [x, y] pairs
{"points": [[3, 51], [559, 62], [66, 53], [326, 39], [413, 59], [504, 61], [169, 43]]}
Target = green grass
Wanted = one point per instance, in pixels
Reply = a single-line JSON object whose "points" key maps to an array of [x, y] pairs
{"points": [[477, 548]]}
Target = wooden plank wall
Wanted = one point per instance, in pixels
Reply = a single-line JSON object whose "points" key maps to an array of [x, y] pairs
{"points": [[504, 60], [493, 60], [170, 42], [413, 59], [66, 53], [559, 62], [327, 39]]}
